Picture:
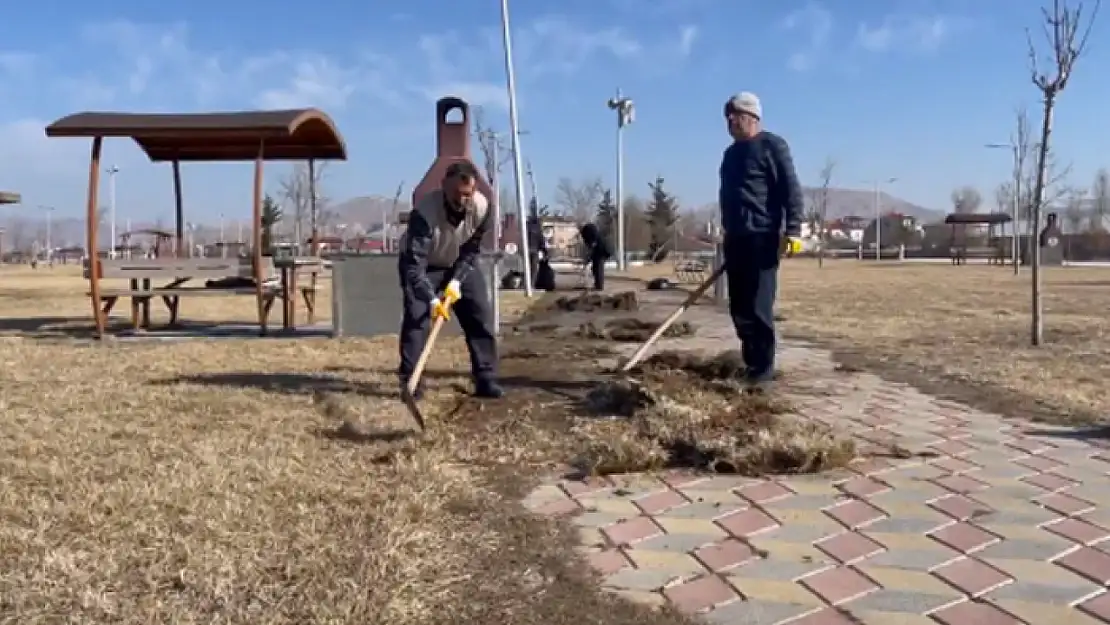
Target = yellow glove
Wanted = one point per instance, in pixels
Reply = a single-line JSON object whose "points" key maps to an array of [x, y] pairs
{"points": [[440, 309], [452, 293], [791, 246]]}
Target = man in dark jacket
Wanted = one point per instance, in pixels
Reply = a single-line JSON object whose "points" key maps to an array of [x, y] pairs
{"points": [[761, 213], [597, 252]]}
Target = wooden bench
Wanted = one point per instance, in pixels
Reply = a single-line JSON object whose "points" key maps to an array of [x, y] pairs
{"points": [[691, 271], [994, 254], [178, 272]]}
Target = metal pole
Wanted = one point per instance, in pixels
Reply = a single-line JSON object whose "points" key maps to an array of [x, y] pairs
{"points": [[514, 128], [495, 267], [1014, 249], [112, 171], [878, 224], [49, 228], [622, 255]]}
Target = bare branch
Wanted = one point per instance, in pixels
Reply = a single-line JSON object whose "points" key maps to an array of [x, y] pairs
{"points": [[1067, 31]]}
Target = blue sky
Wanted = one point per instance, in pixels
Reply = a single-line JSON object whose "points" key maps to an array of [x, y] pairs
{"points": [[898, 88]]}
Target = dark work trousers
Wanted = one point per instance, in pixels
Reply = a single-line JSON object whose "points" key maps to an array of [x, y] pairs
{"points": [[597, 268], [752, 266], [473, 312]]}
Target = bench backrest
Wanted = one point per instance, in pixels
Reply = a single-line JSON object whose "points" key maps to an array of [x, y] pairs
{"points": [[173, 268]]}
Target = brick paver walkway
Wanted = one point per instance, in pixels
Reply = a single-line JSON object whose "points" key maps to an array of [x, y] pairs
{"points": [[995, 521]]}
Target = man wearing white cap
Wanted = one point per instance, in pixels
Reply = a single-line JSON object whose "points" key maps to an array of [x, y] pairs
{"points": [[761, 213]]}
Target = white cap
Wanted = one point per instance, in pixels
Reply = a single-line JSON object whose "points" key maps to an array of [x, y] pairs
{"points": [[746, 102]]}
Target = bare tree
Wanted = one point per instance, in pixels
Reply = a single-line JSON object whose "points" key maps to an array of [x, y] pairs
{"points": [[496, 147], [17, 234], [1066, 29], [1100, 201], [296, 189], [1074, 205], [823, 208], [579, 200], [966, 200]]}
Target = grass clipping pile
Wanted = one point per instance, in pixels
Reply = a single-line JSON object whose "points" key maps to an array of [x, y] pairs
{"points": [[690, 411]]}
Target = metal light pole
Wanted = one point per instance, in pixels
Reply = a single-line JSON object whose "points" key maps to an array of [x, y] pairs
{"points": [[112, 171], [879, 216], [626, 114], [514, 128], [1016, 203]]}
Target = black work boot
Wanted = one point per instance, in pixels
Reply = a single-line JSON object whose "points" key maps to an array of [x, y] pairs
{"points": [[488, 388]]}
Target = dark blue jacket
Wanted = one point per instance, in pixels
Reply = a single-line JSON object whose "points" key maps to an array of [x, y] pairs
{"points": [[760, 192]]}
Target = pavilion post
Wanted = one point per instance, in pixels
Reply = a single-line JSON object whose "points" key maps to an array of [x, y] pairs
{"points": [[179, 212], [315, 247], [92, 240], [256, 236]]}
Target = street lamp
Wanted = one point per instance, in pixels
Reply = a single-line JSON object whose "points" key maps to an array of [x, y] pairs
{"points": [[1014, 205], [879, 216], [518, 164], [626, 114], [112, 171]]}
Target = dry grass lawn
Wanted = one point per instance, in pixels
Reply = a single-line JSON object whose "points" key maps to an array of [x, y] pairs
{"points": [[959, 331], [213, 481]]}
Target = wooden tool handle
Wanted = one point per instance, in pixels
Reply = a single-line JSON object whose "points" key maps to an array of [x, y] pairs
{"points": [[669, 321], [422, 362]]}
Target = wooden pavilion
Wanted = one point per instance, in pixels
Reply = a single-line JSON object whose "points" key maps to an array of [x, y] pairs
{"points": [[969, 242], [10, 197], [258, 136]]}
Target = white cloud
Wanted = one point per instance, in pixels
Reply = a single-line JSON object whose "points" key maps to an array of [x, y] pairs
{"points": [[687, 37], [907, 32], [813, 24]]}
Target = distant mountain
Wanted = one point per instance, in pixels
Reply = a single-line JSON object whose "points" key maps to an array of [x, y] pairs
{"points": [[861, 203]]}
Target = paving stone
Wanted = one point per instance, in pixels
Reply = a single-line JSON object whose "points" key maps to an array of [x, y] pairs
{"points": [[678, 564], [1065, 504], [764, 492], [974, 613], [1049, 481], [913, 559], [869, 617], [1098, 606], [639, 579], [591, 537], [839, 584], [631, 531], [608, 561], [1078, 531], [919, 472], [827, 616], [1047, 613], [634, 485], [575, 488], [855, 513], [1041, 593], [900, 601], [620, 507], [778, 569], [1000, 473], [746, 523], [702, 527], [1028, 516], [960, 484], [862, 487], [725, 555], [849, 547], [756, 613], [654, 599], [801, 533], [676, 543], [804, 502], [907, 525], [700, 594], [964, 537], [772, 590], [959, 507], [1025, 549], [697, 494], [972, 576], [702, 510], [890, 578], [659, 502], [1090, 563], [597, 519]]}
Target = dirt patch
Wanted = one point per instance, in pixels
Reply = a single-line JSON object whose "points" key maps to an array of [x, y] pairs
{"points": [[632, 330], [592, 302], [745, 434], [727, 365]]}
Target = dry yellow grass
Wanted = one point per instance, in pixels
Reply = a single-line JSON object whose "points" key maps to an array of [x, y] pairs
{"points": [[958, 331], [205, 481]]}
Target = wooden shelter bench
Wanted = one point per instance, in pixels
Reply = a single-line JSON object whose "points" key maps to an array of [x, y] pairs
{"points": [[178, 272], [994, 254]]}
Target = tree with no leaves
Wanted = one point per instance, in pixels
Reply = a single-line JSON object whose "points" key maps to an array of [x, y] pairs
{"points": [[496, 150], [580, 200], [823, 208], [297, 188], [966, 200], [1067, 30], [1100, 201]]}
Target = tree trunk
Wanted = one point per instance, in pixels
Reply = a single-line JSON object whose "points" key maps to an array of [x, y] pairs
{"points": [[1037, 329]]}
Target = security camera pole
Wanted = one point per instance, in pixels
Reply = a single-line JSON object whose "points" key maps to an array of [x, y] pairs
{"points": [[626, 114]]}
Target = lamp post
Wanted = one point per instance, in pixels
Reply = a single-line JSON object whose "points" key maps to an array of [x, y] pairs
{"points": [[514, 128], [626, 114], [1015, 204], [879, 216]]}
